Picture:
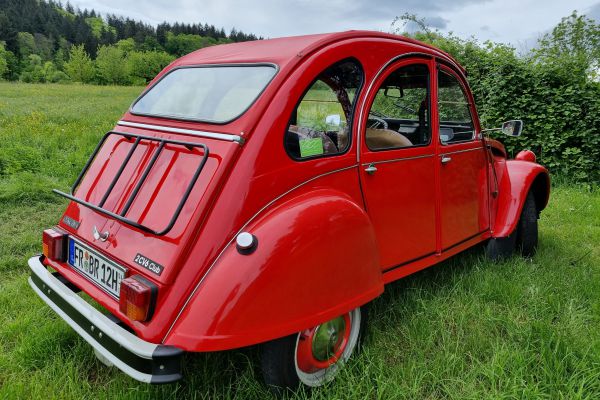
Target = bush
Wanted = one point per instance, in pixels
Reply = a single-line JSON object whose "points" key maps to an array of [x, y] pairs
{"points": [[143, 66], [80, 67], [110, 63]]}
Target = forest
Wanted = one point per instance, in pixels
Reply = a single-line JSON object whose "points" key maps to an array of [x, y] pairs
{"points": [[46, 41]]}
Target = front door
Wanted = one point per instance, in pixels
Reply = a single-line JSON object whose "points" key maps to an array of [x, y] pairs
{"points": [[462, 164], [398, 163]]}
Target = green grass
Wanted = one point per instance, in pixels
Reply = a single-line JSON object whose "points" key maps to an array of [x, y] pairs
{"points": [[465, 329]]}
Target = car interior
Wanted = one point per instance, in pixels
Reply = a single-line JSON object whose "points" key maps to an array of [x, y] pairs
{"points": [[322, 118]]}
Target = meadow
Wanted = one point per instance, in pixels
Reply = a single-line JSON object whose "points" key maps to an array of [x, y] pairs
{"points": [[465, 329]]}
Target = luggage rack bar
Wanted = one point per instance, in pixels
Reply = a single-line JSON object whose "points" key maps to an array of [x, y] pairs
{"points": [[122, 215]]}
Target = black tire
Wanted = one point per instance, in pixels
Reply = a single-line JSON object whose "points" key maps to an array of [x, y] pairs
{"points": [[498, 249], [278, 360], [527, 230]]}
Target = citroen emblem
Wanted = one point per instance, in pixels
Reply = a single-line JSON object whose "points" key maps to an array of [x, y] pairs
{"points": [[100, 236]]}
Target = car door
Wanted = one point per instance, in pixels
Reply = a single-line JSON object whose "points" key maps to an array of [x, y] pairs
{"points": [[397, 162], [461, 161]]}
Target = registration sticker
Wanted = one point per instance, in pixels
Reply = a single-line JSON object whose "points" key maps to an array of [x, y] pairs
{"points": [[311, 147]]}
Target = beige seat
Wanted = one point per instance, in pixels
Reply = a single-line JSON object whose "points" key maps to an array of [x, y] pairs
{"points": [[378, 139]]}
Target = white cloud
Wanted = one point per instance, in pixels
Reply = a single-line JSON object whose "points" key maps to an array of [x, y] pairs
{"points": [[512, 21]]}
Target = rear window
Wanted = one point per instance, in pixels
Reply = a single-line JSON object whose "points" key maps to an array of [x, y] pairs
{"points": [[217, 94]]}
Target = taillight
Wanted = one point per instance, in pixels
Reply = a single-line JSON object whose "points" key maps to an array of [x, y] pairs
{"points": [[137, 298], [54, 244]]}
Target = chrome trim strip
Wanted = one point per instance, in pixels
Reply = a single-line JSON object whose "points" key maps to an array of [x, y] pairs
{"points": [[399, 159], [460, 151], [240, 231], [212, 135], [129, 341]]}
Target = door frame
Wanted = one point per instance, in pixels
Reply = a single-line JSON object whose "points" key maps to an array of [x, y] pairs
{"points": [[442, 150]]}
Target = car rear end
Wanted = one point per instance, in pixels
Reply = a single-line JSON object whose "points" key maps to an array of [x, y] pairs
{"points": [[135, 212]]}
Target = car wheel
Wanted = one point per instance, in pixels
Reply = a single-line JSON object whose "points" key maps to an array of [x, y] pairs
{"points": [[311, 357], [527, 234]]}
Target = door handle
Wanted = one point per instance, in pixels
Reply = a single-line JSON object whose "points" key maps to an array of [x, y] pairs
{"points": [[371, 169], [446, 159]]}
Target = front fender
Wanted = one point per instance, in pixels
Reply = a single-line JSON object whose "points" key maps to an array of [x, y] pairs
{"points": [[518, 178], [316, 259]]}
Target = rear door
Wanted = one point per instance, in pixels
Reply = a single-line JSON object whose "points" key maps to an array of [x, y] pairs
{"points": [[462, 163], [397, 168]]}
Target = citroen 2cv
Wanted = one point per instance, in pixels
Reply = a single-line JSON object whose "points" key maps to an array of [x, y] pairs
{"points": [[265, 192]]}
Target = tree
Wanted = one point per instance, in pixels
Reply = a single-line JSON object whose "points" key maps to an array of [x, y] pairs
{"points": [[111, 66], [182, 44], [3, 60], [143, 66], [26, 44], [126, 45], [80, 67], [573, 46], [34, 71]]}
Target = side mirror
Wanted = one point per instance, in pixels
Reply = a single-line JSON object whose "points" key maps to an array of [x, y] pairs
{"points": [[512, 128]]}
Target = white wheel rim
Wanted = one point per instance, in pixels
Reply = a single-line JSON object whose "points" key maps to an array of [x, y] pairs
{"points": [[325, 375]]}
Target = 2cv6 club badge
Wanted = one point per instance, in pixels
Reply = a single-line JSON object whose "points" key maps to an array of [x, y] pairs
{"points": [[263, 193]]}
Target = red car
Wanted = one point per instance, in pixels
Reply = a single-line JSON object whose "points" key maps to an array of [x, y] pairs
{"points": [[265, 192]]}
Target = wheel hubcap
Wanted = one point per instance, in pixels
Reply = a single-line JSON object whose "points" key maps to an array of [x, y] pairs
{"points": [[328, 339], [321, 350]]}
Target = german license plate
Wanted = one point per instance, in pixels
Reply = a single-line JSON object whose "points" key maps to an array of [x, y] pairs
{"points": [[103, 272]]}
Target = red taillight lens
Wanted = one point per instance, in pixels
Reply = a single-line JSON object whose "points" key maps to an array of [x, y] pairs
{"points": [[137, 298], [54, 244]]}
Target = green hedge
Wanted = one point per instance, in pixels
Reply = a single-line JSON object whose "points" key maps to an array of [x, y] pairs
{"points": [[554, 89]]}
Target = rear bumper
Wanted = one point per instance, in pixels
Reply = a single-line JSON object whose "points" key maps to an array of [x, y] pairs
{"points": [[141, 360]]}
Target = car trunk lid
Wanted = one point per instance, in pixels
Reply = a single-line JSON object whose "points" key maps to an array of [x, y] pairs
{"points": [[148, 193]]}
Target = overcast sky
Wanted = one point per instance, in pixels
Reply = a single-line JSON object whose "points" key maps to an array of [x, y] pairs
{"points": [[518, 22]]}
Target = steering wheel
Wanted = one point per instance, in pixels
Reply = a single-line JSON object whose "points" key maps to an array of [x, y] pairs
{"points": [[379, 121]]}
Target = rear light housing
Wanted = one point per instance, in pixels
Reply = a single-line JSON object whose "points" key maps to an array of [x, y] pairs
{"points": [[137, 298], [54, 244]]}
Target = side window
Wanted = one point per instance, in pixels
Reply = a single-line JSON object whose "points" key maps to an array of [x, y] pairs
{"points": [[456, 123], [321, 123], [399, 115]]}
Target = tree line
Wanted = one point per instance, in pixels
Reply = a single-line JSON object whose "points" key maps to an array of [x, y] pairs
{"points": [[44, 41]]}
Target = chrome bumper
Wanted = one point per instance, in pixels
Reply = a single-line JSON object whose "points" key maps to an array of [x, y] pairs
{"points": [[141, 360]]}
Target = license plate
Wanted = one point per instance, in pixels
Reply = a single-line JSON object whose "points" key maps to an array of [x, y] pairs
{"points": [[103, 272]]}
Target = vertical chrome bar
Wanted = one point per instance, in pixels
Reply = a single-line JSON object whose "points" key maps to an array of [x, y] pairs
{"points": [[119, 172], [142, 178]]}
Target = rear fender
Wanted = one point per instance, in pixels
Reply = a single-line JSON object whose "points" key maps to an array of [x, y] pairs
{"points": [[316, 259], [518, 178]]}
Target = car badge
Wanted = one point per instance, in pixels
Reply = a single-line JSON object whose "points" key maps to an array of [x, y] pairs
{"points": [[100, 236]]}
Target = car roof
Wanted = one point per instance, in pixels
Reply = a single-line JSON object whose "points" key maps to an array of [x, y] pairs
{"points": [[287, 50]]}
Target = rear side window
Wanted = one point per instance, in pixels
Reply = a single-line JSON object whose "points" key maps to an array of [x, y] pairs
{"points": [[321, 122], [216, 94], [456, 124]]}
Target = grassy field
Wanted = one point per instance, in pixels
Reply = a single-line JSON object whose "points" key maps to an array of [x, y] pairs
{"points": [[466, 329]]}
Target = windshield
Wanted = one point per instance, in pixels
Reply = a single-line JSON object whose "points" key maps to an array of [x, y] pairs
{"points": [[216, 94]]}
